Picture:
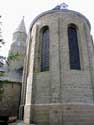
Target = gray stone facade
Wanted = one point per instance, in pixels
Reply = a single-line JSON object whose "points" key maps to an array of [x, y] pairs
{"points": [[60, 96]]}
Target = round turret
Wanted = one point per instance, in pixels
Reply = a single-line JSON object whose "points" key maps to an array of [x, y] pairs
{"points": [[60, 71]]}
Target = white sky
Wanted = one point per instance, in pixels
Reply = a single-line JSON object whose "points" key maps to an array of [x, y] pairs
{"points": [[12, 12]]}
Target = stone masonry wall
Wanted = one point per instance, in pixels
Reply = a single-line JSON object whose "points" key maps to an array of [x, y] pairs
{"points": [[60, 83], [9, 99]]}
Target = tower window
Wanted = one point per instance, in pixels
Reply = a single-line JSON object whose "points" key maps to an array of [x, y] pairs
{"points": [[45, 49], [73, 48]]}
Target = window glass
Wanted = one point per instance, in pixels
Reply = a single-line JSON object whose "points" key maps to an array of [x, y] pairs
{"points": [[45, 49], [73, 48]]}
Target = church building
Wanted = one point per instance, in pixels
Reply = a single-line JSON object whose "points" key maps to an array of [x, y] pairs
{"points": [[57, 61], [59, 70]]}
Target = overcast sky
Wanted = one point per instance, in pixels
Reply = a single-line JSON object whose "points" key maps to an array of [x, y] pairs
{"points": [[12, 12]]}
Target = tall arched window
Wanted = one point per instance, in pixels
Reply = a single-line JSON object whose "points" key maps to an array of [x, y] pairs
{"points": [[45, 49], [73, 47]]}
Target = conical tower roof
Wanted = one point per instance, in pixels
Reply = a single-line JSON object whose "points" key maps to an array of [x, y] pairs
{"points": [[21, 27], [18, 47]]}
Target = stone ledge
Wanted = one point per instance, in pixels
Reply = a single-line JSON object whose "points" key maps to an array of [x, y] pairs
{"points": [[19, 123]]}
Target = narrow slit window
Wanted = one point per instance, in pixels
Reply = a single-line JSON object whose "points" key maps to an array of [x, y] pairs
{"points": [[45, 49], [73, 48]]}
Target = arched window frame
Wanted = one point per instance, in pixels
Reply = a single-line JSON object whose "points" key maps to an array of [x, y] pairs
{"points": [[74, 53], [44, 49]]}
